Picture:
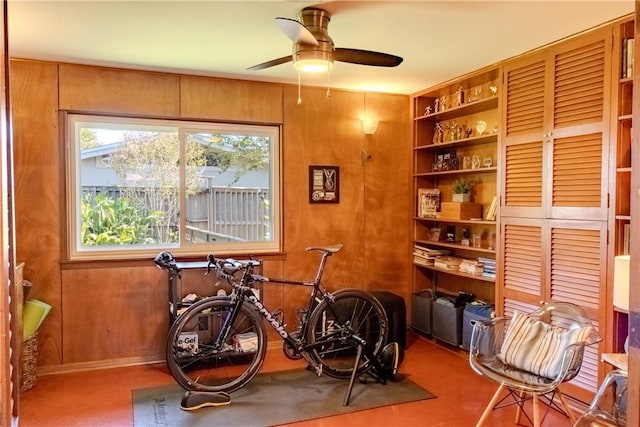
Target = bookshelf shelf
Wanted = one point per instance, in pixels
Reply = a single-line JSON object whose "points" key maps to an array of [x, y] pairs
{"points": [[456, 221], [466, 109], [457, 273], [476, 140], [455, 246], [459, 172]]}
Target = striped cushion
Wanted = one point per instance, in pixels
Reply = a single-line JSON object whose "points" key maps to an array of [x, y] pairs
{"points": [[536, 346]]}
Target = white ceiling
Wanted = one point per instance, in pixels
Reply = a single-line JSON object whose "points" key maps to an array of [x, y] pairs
{"points": [[438, 40]]}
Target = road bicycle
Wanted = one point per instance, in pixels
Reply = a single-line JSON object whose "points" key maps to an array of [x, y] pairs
{"points": [[219, 343]]}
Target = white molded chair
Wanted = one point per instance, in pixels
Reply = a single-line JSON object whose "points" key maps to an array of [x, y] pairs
{"points": [[530, 355], [609, 406]]}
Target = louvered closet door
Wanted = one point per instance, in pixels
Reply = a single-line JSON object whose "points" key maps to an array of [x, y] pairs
{"points": [[523, 261], [577, 273], [580, 128], [523, 171], [556, 260]]}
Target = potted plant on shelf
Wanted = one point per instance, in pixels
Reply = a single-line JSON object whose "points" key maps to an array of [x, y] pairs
{"points": [[462, 190]]}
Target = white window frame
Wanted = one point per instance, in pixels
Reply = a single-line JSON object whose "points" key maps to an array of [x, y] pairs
{"points": [[77, 251]]}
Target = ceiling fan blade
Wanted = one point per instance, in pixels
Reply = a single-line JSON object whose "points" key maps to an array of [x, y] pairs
{"points": [[366, 57], [271, 63], [296, 31]]}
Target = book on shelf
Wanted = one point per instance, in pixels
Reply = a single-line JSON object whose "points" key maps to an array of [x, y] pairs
{"points": [[428, 202], [491, 212], [625, 59], [427, 256], [429, 252], [489, 267], [476, 271], [423, 261], [447, 263], [628, 46], [487, 261], [471, 266], [626, 235]]}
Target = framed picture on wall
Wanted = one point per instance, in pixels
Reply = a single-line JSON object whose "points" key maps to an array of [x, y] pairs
{"points": [[324, 184]]}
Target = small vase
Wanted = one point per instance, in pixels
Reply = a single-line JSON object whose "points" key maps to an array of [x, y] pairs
{"points": [[462, 198]]}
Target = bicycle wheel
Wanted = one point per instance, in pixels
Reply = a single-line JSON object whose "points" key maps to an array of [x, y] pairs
{"points": [[200, 359], [334, 326]]}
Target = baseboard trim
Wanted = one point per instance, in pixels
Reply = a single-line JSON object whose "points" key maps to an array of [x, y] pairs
{"points": [[68, 368]]}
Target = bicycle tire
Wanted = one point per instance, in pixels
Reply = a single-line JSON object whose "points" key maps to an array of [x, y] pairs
{"points": [[332, 323], [194, 361]]}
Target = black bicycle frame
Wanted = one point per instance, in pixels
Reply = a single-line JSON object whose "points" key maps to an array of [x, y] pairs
{"points": [[245, 293]]}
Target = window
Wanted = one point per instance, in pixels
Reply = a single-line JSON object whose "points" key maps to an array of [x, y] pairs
{"points": [[138, 186]]}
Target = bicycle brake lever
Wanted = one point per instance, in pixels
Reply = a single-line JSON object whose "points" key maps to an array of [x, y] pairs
{"points": [[211, 260]]}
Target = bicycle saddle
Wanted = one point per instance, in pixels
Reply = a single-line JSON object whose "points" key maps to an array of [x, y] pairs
{"points": [[164, 260], [332, 249]]}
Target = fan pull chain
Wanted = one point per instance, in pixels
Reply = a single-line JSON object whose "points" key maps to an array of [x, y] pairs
{"points": [[328, 83], [299, 90]]}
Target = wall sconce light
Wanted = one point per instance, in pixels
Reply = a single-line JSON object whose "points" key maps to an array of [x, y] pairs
{"points": [[621, 282], [369, 126]]}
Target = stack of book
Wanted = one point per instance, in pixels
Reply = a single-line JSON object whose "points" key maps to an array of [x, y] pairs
{"points": [[447, 263], [471, 266], [427, 256], [489, 267]]}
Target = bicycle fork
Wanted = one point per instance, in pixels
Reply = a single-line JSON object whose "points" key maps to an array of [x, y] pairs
{"points": [[230, 318]]}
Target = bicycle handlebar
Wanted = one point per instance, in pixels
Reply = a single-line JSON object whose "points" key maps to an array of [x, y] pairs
{"points": [[226, 268]]}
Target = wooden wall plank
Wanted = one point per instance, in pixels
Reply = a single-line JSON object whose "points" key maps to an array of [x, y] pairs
{"points": [[85, 88], [108, 316], [39, 188], [323, 131], [232, 100], [387, 210]]}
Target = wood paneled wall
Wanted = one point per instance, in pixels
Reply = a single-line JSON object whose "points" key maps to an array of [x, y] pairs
{"points": [[102, 313]]}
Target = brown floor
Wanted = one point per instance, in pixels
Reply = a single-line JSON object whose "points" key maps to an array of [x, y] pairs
{"points": [[103, 398]]}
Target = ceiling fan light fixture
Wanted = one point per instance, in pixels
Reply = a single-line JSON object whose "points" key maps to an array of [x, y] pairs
{"points": [[313, 65], [312, 61]]}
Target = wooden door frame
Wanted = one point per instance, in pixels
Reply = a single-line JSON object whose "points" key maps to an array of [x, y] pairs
{"points": [[11, 340]]}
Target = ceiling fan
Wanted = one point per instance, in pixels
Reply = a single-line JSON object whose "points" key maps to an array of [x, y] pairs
{"points": [[313, 48]]}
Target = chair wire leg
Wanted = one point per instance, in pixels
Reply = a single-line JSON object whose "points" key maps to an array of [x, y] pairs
{"points": [[490, 406], [560, 405], [519, 410], [519, 398]]}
